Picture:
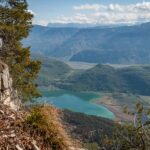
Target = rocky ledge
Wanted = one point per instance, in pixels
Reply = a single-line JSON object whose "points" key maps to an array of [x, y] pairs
{"points": [[13, 133], [8, 96], [16, 133]]}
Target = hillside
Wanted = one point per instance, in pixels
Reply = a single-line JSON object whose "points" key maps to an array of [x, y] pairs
{"points": [[123, 45], [105, 78], [52, 70], [135, 80], [120, 45], [42, 127], [39, 128], [90, 129], [30, 128], [44, 40]]}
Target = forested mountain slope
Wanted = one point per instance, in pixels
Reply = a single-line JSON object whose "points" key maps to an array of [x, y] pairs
{"points": [[123, 45], [105, 78]]}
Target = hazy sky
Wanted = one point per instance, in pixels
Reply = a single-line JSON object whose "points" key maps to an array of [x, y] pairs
{"points": [[90, 11]]}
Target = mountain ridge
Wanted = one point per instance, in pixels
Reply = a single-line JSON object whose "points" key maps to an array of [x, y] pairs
{"points": [[116, 45], [135, 80]]}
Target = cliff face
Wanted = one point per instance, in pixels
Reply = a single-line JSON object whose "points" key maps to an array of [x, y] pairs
{"points": [[8, 96]]}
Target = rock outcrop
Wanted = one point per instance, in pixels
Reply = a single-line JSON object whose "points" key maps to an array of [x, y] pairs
{"points": [[8, 96], [13, 132]]}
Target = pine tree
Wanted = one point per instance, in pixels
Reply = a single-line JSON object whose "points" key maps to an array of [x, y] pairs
{"points": [[15, 24]]}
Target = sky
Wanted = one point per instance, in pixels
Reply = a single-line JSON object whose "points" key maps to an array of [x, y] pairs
{"points": [[90, 11]]}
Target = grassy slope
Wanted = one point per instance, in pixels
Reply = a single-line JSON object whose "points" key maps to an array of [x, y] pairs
{"points": [[88, 128], [40, 127]]}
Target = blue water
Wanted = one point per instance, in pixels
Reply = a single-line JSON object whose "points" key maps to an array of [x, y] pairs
{"points": [[77, 102]]}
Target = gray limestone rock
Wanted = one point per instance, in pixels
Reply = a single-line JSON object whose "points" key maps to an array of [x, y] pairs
{"points": [[8, 95]]}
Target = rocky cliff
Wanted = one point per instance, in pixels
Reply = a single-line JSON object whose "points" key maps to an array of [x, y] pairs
{"points": [[8, 96], [37, 128]]}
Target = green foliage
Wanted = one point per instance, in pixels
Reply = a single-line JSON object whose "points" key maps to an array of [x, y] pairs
{"points": [[131, 136], [15, 24], [36, 118]]}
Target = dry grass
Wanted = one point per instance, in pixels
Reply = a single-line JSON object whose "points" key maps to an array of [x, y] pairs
{"points": [[44, 123], [39, 128]]}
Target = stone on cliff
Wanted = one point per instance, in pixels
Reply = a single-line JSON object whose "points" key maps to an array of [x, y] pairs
{"points": [[8, 96]]}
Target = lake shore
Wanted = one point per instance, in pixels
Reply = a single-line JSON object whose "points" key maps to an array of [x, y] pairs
{"points": [[114, 108]]}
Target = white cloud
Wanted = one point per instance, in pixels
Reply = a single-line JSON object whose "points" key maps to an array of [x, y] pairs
{"points": [[108, 14], [41, 22], [32, 12], [88, 7], [78, 18], [145, 6]]}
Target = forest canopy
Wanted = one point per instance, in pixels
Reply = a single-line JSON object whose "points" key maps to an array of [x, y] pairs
{"points": [[15, 24]]}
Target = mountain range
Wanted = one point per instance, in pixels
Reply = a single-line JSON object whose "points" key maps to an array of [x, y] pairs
{"points": [[115, 45]]}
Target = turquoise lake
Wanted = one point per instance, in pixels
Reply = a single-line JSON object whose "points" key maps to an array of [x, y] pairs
{"points": [[75, 101]]}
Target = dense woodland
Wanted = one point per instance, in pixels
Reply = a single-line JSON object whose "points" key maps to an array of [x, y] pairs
{"points": [[15, 24]]}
